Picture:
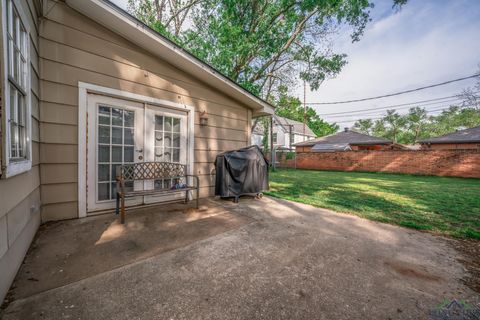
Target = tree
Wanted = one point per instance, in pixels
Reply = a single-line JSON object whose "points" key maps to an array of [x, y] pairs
{"points": [[379, 128], [416, 123], [166, 16], [471, 96], [291, 108], [264, 45], [364, 126], [260, 44], [394, 123], [454, 118]]}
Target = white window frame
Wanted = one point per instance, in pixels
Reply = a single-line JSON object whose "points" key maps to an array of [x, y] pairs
{"points": [[12, 168]]}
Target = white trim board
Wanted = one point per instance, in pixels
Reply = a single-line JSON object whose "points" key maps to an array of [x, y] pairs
{"points": [[83, 90], [12, 168]]}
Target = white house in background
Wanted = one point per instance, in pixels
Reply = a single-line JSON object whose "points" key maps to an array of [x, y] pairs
{"points": [[286, 133]]}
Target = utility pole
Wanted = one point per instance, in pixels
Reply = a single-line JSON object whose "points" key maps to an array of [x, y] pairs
{"points": [[290, 136], [304, 108], [272, 151]]}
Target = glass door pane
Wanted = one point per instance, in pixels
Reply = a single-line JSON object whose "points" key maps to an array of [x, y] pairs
{"points": [[167, 144], [115, 147], [115, 136]]}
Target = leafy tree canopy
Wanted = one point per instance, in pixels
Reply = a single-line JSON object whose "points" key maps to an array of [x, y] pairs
{"points": [[416, 125], [291, 108], [267, 46], [260, 44]]}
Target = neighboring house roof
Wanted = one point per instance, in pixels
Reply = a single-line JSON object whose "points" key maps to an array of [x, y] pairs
{"points": [[119, 21], [331, 147], [408, 146], [348, 136], [284, 123], [471, 135], [297, 126]]}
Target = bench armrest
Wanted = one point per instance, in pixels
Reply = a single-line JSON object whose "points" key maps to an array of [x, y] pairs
{"points": [[197, 180], [120, 185]]}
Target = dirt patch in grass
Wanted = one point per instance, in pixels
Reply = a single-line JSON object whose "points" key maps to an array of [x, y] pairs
{"points": [[470, 250]]}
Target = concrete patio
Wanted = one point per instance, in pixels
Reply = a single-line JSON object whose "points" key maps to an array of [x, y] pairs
{"points": [[259, 259]]}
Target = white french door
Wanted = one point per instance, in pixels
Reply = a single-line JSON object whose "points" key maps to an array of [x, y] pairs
{"points": [[166, 141], [126, 132]]}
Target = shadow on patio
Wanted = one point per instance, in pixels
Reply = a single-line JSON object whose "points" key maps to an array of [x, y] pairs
{"points": [[68, 251]]}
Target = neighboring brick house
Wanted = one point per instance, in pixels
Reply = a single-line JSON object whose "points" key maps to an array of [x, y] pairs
{"points": [[462, 139], [345, 141], [286, 133]]}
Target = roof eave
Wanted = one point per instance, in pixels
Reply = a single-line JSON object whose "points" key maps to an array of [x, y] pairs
{"points": [[369, 143], [302, 144], [305, 144], [117, 20], [447, 142]]}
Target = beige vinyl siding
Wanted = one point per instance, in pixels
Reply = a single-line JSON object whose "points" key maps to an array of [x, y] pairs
{"points": [[73, 49], [20, 194], [19, 227]]}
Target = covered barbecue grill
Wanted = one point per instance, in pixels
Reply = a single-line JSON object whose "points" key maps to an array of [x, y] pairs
{"points": [[241, 172]]}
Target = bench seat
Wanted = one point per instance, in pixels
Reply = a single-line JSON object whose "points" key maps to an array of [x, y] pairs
{"points": [[175, 172], [130, 194]]}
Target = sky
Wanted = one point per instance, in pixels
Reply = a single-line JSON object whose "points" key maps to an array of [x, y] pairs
{"points": [[426, 42]]}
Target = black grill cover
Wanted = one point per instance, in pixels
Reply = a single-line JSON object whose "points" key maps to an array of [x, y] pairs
{"points": [[240, 172]]}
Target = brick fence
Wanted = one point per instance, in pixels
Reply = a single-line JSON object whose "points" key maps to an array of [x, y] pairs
{"points": [[455, 163]]}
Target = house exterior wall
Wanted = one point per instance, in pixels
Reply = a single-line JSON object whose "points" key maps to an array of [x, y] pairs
{"points": [[283, 138], [257, 139], [20, 194], [456, 163], [301, 138], [76, 49], [451, 146]]}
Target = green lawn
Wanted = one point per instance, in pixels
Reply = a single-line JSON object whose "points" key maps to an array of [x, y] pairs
{"points": [[449, 206]]}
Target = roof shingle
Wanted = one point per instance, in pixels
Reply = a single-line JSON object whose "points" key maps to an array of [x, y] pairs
{"points": [[350, 137], [297, 126], [471, 135]]}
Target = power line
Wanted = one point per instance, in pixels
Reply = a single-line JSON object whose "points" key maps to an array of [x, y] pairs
{"points": [[394, 105], [357, 113], [368, 116], [378, 118], [446, 104], [397, 93]]}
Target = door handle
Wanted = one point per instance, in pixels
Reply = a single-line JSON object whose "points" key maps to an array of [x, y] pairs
{"points": [[139, 150]]}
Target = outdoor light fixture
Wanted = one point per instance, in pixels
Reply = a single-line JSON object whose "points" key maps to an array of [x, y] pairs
{"points": [[203, 118]]}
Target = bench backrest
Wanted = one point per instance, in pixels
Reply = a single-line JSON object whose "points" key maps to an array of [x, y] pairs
{"points": [[151, 171]]}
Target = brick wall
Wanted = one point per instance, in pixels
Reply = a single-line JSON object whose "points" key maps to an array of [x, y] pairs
{"points": [[457, 163]]}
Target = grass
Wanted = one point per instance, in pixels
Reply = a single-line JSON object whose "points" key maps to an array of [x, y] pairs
{"points": [[449, 206]]}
